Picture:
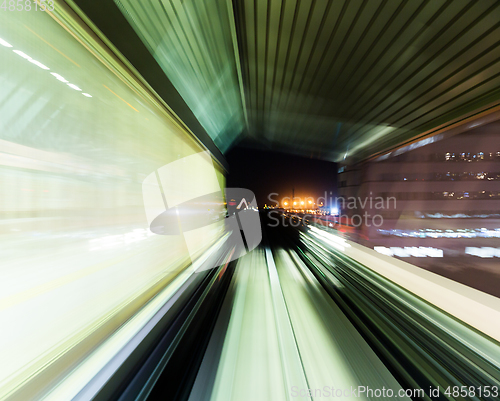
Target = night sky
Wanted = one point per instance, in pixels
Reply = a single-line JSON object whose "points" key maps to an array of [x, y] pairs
{"points": [[265, 172]]}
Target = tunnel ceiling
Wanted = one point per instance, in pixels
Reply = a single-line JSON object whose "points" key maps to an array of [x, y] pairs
{"points": [[325, 79], [331, 78]]}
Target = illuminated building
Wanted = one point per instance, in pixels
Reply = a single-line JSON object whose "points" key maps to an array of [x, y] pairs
{"points": [[446, 198]]}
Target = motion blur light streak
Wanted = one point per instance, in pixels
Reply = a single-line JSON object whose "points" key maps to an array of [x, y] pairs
{"points": [[483, 252], [73, 86], [215, 99], [58, 77], [4, 43], [123, 342], [420, 251], [480, 310], [123, 100], [337, 242], [23, 55], [452, 332], [293, 372], [37, 63], [44, 67]]}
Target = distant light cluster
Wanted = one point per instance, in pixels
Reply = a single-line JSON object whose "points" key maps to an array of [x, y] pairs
{"points": [[470, 157]]}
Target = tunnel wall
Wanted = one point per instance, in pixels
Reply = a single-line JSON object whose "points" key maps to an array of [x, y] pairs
{"points": [[77, 139]]}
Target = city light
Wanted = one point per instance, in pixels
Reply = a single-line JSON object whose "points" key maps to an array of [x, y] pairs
{"points": [[483, 252], [409, 251]]}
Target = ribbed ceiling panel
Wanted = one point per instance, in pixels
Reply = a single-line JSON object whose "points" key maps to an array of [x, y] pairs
{"points": [[326, 78]]}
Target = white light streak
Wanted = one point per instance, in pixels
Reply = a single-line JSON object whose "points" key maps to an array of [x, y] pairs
{"points": [[73, 86], [31, 60], [333, 240], [59, 77], [37, 63], [4, 43], [22, 54], [483, 252], [407, 251]]}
